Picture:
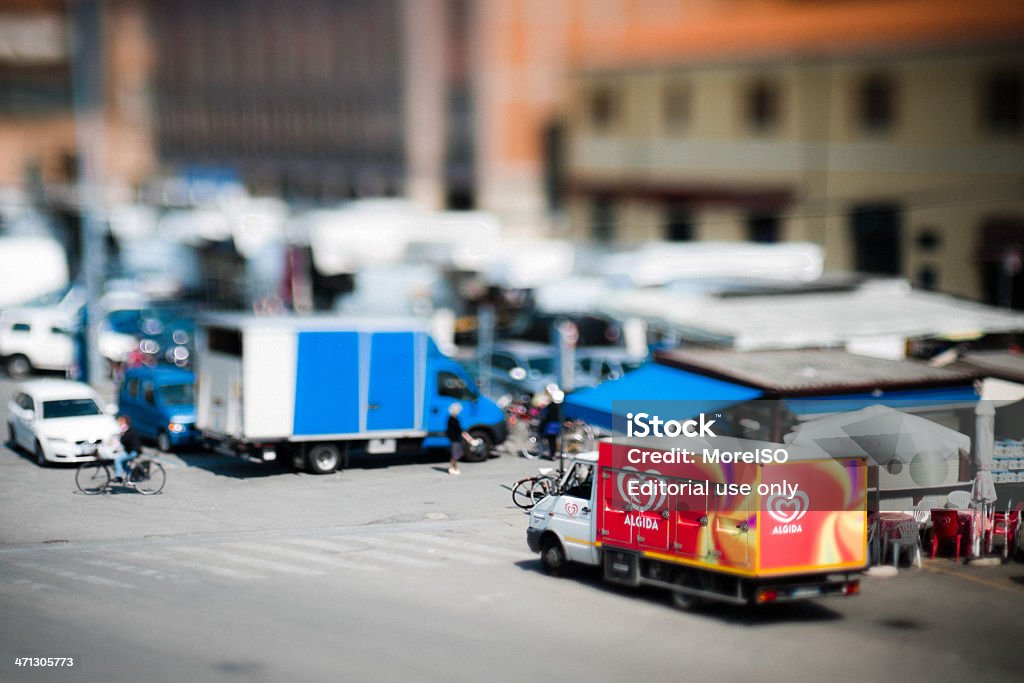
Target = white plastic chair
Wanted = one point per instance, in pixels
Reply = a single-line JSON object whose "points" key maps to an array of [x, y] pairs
{"points": [[960, 500], [909, 534], [922, 515]]}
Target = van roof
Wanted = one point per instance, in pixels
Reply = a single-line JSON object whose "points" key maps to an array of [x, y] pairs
{"points": [[162, 375]]}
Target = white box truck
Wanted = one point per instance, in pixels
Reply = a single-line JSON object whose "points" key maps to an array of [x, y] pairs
{"points": [[312, 388]]}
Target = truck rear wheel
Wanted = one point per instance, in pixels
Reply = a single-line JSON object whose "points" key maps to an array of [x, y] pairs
{"points": [[552, 556], [685, 601], [323, 458]]}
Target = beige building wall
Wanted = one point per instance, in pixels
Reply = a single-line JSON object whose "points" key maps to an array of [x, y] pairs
{"points": [[937, 162]]}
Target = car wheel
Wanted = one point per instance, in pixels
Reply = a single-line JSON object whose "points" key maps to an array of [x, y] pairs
{"points": [[323, 458], [163, 442], [10, 437], [40, 456], [18, 367], [552, 556]]}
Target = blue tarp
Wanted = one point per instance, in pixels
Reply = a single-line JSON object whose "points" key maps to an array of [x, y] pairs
{"points": [[906, 399], [606, 405]]}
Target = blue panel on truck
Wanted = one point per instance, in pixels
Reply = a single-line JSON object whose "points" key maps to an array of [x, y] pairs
{"points": [[392, 398], [327, 383]]}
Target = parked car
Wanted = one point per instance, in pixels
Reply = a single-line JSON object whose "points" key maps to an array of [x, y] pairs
{"points": [[161, 404], [521, 368], [58, 420], [41, 335], [598, 364]]}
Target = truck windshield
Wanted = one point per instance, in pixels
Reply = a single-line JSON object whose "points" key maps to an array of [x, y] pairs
{"points": [[69, 407], [178, 394]]}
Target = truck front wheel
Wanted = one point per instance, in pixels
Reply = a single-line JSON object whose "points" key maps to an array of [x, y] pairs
{"points": [[323, 458], [483, 450], [552, 556]]}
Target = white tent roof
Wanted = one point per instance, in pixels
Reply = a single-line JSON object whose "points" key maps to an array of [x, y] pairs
{"points": [[827, 319]]}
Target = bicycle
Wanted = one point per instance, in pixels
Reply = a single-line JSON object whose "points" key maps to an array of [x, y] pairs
{"points": [[576, 436], [142, 473], [529, 491]]}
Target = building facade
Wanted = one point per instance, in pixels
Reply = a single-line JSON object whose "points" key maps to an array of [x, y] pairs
{"points": [[901, 152]]}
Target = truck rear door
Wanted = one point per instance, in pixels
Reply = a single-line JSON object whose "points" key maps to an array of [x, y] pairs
{"points": [[219, 408], [396, 385]]}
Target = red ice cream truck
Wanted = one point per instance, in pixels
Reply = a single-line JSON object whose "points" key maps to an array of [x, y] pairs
{"points": [[719, 518]]}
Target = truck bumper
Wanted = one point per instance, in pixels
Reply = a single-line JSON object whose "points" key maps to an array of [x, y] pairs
{"points": [[533, 538]]}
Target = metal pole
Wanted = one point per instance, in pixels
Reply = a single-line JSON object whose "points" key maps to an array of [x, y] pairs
{"points": [[85, 33]]}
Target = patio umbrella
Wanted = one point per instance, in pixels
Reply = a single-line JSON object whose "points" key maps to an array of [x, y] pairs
{"points": [[984, 444]]}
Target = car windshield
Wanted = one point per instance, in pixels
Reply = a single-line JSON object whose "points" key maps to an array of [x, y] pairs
{"points": [[542, 366], [178, 394], [69, 407]]}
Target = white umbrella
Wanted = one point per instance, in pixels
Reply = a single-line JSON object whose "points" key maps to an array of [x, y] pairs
{"points": [[984, 444]]}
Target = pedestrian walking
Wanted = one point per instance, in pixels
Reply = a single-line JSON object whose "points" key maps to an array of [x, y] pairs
{"points": [[456, 436]]}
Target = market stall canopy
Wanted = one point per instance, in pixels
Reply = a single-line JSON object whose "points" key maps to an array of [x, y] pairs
{"points": [[913, 452], [606, 405], [877, 316], [657, 263]]}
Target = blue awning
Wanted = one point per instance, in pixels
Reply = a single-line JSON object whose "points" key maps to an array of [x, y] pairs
{"points": [[906, 399], [644, 390]]}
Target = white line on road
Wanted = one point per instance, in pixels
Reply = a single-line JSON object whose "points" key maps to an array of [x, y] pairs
{"points": [[229, 556], [295, 554], [74, 576], [463, 545], [195, 565]]}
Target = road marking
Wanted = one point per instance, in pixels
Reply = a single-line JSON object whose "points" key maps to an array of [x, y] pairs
{"points": [[360, 551], [984, 582], [295, 554], [270, 565], [477, 553], [132, 569], [74, 576], [195, 565]]}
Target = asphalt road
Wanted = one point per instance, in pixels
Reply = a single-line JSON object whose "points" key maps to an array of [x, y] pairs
{"points": [[243, 571]]}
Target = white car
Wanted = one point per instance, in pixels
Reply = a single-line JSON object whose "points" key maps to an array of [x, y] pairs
{"points": [[59, 421]]}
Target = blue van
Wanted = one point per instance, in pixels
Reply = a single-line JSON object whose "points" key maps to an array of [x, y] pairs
{"points": [[161, 404]]}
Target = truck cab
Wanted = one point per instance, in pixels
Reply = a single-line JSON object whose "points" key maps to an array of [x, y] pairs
{"points": [[562, 527]]}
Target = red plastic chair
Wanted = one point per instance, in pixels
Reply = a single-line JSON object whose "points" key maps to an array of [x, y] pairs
{"points": [[1006, 524], [946, 527]]}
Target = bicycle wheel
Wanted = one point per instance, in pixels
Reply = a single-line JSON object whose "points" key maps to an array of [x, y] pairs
{"points": [[92, 477], [147, 476], [542, 488], [535, 447], [522, 493]]}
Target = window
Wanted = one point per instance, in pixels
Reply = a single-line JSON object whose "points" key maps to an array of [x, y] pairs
{"points": [[675, 104], [133, 388], [500, 361], [148, 394], [451, 385], [178, 395], [21, 327], [1003, 101], [71, 407], [603, 108], [876, 237], [876, 103], [763, 227], [602, 219], [225, 341], [679, 223], [763, 105]]}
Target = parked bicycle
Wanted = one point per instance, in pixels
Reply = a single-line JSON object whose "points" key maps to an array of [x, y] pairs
{"points": [[142, 473], [549, 481]]}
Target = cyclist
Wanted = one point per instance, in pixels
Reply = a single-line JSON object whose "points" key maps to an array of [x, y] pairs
{"points": [[131, 445]]}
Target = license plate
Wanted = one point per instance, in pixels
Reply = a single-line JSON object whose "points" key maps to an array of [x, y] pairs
{"points": [[805, 592], [86, 450]]}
